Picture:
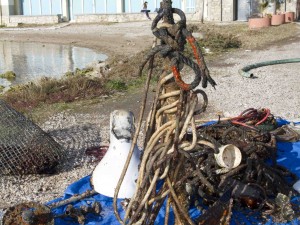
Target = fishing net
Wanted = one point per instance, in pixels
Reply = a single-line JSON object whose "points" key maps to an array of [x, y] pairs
{"points": [[24, 147]]}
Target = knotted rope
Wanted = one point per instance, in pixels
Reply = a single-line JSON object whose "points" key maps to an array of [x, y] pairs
{"points": [[165, 144]]}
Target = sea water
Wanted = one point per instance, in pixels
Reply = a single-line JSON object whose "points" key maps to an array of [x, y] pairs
{"points": [[32, 61]]}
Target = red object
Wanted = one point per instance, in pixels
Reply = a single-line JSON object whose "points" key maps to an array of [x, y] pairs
{"points": [[254, 116], [277, 19], [97, 152], [192, 42], [289, 17], [179, 81], [255, 23]]}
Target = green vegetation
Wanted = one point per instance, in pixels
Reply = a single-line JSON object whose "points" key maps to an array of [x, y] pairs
{"points": [[49, 90], [79, 72], [217, 42], [9, 75], [117, 85], [239, 35]]}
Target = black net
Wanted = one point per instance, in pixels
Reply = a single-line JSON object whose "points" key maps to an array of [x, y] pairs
{"points": [[24, 147]]}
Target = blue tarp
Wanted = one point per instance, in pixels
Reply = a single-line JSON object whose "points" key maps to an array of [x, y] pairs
{"points": [[288, 155]]}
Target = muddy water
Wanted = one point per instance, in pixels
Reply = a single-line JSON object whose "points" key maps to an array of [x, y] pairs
{"points": [[31, 61]]}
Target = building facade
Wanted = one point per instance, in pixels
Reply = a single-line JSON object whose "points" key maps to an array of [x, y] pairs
{"points": [[13, 12]]}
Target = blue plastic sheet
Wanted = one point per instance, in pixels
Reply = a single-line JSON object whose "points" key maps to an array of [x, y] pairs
{"points": [[288, 155]]}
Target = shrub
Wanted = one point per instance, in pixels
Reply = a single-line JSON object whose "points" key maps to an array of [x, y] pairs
{"points": [[9, 75]]}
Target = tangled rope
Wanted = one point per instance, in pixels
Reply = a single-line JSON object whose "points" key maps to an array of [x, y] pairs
{"points": [[166, 148], [178, 157]]}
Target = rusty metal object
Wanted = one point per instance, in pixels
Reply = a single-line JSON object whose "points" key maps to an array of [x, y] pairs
{"points": [[220, 212], [30, 213], [33, 213], [79, 214], [286, 133], [72, 199]]}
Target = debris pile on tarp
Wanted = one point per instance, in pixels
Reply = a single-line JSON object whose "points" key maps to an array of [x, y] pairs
{"points": [[242, 195]]}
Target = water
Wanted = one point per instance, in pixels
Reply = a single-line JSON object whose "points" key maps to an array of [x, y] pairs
{"points": [[31, 61]]}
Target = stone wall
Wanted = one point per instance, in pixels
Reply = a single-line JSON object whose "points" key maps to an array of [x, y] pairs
{"points": [[125, 17], [291, 6], [220, 10], [214, 10], [4, 20], [228, 13], [17, 19]]}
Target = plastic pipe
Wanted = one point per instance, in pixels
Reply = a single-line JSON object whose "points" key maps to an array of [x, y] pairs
{"points": [[245, 70]]}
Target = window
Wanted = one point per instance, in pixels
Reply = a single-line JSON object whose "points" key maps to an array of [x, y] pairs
{"points": [[190, 6]]}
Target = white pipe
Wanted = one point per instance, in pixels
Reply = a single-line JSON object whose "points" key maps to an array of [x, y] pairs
{"points": [[30, 8], [129, 6]]}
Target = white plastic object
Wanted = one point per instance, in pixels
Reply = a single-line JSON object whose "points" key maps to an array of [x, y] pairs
{"points": [[229, 156], [106, 175], [296, 186]]}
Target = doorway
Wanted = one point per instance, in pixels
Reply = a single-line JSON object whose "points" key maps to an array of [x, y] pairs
{"points": [[243, 10]]}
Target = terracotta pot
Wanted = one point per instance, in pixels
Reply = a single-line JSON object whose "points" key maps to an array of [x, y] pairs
{"points": [[277, 19], [289, 17], [259, 22]]}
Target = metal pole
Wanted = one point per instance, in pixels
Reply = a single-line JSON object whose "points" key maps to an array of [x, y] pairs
{"points": [[71, 9], [202, 16], [221, 10], [1, 11], [285, 5]]}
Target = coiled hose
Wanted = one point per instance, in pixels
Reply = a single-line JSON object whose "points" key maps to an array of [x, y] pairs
{"points": [[245, 70]]}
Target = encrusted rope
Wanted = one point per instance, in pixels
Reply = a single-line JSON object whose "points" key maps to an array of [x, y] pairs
{"points": [[173, 111]]}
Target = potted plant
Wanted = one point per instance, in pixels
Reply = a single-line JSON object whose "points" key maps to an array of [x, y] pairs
{"points": [[262, 20], [279, 17], [271, 6], [289, 17]]}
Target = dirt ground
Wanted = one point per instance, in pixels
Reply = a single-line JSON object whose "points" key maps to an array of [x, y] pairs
{"points": [[275, 87]]}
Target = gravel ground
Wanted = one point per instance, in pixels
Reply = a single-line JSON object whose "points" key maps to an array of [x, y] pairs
{"points": [[275, 87]]}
